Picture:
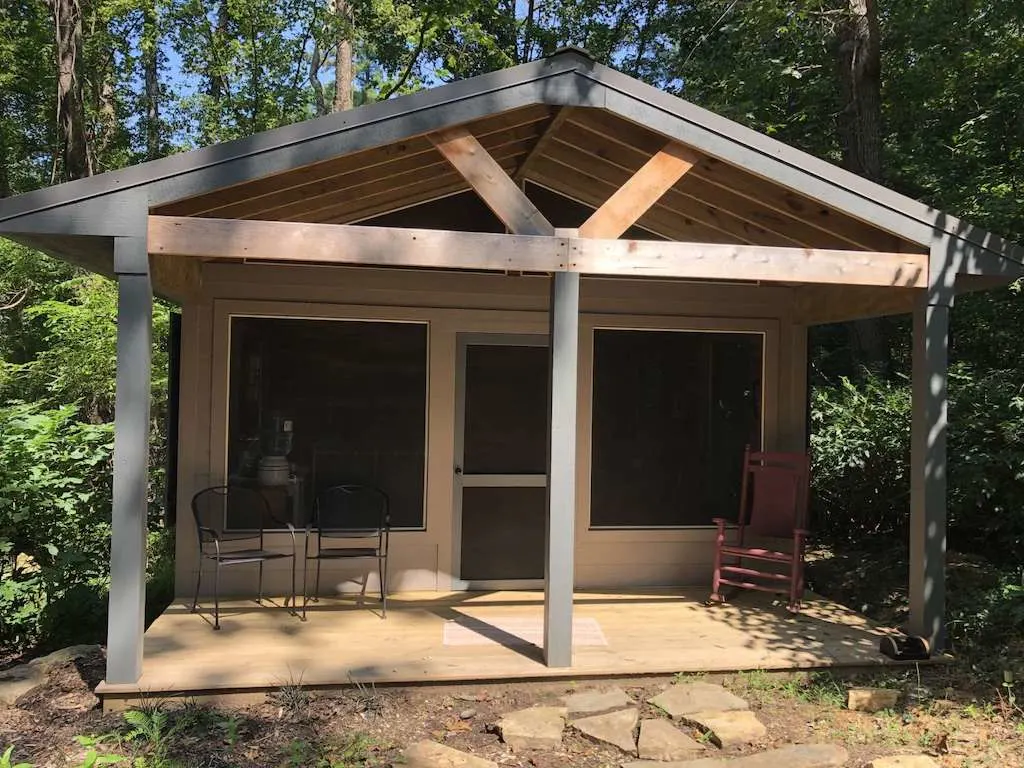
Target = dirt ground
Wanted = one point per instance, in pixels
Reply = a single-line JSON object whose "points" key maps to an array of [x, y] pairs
{"points": [[957, 725]]}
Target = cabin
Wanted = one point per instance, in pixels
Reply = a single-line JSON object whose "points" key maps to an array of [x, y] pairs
{"points": [[544, 309]]}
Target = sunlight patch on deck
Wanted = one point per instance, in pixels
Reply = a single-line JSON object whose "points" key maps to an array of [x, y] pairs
{"points": [[515, 631]]}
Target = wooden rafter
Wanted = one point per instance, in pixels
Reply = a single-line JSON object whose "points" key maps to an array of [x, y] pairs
{"points": [[643, 189], [296, 242], [550, 131], [491, 182]]}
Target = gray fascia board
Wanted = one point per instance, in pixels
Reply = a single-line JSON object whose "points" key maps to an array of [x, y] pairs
{"points": [[782, 164], [223, 165]]}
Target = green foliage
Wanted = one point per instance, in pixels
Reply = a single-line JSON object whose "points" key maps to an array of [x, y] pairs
{"points": [[54, 524], [7, 760], [860, 443]]}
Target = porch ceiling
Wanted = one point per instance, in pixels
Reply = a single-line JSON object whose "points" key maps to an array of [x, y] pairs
{"points": [[582, 153]]}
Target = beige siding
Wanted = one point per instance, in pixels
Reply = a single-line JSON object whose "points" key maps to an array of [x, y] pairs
{"points": [[454, 303]]}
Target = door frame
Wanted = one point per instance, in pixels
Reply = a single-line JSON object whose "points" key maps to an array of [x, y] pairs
{"points": [[460, 481]]}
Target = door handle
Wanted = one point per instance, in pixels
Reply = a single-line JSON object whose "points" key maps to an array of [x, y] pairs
{"points": [[458, 470]]}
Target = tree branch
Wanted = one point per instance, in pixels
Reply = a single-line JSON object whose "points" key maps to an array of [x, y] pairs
{"points": [[17, 300], [412, 61]]}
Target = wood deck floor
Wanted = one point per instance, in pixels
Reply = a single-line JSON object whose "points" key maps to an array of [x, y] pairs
{"points": [[646, 632]]}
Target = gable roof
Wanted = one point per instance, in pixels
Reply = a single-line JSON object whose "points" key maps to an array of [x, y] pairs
{"points": [[77, 220]]}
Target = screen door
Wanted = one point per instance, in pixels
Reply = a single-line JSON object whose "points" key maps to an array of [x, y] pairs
{"points": [[501, 460]]}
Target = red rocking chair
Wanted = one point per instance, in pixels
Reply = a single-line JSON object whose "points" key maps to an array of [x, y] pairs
{"points": [[773, 505]]}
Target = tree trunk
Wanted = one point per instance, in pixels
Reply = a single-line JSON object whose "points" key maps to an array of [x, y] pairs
{"points": [[315, 62], [151, 78], [860, 66], [74, 144], [5, 179], [343, 59], [860, 130], [215, 84]]}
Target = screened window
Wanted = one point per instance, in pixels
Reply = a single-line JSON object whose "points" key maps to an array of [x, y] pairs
{"points": [[672, 412], [317, 403]]}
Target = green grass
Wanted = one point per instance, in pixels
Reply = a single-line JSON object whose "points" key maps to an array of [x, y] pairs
{"points": [[820, 688]]}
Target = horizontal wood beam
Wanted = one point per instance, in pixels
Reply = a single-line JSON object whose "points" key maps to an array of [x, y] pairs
{"points": [[299, 242], [643, 189], [495, 187], [705, 261]]}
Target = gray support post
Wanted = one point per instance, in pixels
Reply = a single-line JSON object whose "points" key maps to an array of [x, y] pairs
{"points": [[127, 613], [928, 456], [561, 512]]}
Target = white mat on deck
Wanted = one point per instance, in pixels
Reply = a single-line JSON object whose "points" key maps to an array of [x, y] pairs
{"points": [[515, 630]]}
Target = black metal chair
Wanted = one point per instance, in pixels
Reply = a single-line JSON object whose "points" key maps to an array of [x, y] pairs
{"points": [[346, 518], [213, 508]]}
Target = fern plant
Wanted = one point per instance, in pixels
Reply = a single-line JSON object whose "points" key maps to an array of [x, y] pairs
{"points": [[7, 760]]}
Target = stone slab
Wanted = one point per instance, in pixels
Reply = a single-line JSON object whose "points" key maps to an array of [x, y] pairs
{"points": [[17, 681], [904, 761], [616, 728], [429, 754], [795, 756], [687, 698], [533, 728], [660, 740], [65, 655], [735, 728], [595, 702], [871, 699]]}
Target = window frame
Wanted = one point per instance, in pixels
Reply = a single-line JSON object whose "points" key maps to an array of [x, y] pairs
{"points": [[767, 328], [220, 432]]}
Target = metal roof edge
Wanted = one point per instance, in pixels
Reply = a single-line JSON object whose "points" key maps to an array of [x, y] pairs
{"points": [[154, 171]]}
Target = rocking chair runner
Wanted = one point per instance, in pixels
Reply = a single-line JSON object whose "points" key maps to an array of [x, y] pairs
{"points": [[773, 504]]}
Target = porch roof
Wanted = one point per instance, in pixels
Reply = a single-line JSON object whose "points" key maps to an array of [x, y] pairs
{"points": [[564, 123]]}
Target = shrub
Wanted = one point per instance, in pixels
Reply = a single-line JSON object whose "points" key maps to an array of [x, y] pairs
{"points": [[860, 443], [54, 524]]}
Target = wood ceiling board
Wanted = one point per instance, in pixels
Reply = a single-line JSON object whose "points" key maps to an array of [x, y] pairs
{"points": [[404, 198], [360, 184], [788, 229], [216, 202], [93, 253], [672, 204], [823, 304], [855, 233], [283, 204], [576, 186], [753, 188], [551, 129], [415, 186]]}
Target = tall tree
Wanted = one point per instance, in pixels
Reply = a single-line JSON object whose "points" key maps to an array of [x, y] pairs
{"points": [[149, 45], [67, 25], [860, 80], [860, 130], [343, 82]]}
